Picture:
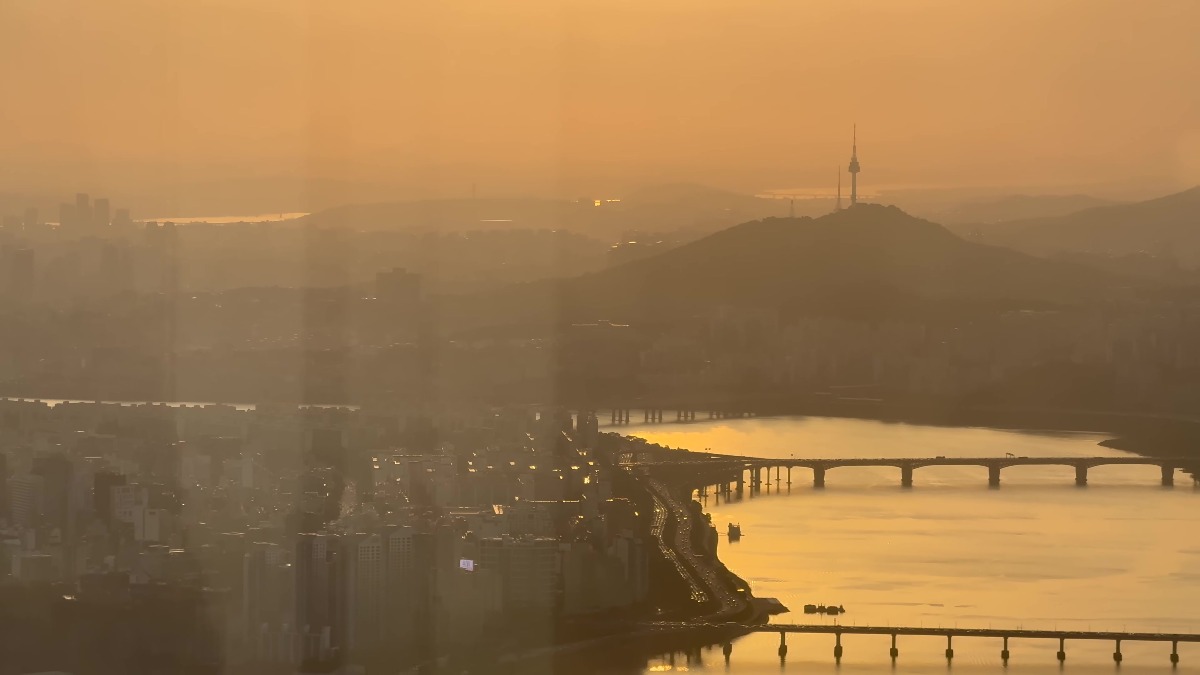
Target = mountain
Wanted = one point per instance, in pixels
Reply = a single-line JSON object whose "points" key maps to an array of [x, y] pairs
{"points": [[868, 261], [1168, 226], [1013, 207]]}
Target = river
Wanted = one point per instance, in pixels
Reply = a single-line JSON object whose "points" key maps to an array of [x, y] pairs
{"points": [[1038, 552]]}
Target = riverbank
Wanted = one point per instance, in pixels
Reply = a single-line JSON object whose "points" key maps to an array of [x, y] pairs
{"points": [[857, 434], [688, 540], [1147, 434]]}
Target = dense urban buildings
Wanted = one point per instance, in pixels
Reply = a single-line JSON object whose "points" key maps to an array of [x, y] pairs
{"points": [[312, 535]]}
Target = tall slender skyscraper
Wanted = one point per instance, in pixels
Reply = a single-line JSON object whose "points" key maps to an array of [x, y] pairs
{"points": [[854, 168]]}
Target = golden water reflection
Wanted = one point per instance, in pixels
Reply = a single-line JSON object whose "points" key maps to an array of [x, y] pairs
{"points": [[1120, 554]]}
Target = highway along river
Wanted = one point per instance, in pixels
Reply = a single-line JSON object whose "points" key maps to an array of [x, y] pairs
{"points": [[1122, 553]]}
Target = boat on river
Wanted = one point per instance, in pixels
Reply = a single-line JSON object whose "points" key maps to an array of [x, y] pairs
{"points": [[735, 532], [832, 610]]}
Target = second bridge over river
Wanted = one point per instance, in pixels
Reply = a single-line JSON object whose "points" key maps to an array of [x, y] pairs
{"points": [[727, 631], [729, 473]]}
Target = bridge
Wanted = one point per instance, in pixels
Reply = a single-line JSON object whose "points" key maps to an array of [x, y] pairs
{"points": [[895, 632], [618, 415], [725, 471]]}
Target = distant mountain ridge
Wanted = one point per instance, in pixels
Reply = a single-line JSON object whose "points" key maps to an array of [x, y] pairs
{"points": [[1168, 226], [1013, 208], [868, 261]]}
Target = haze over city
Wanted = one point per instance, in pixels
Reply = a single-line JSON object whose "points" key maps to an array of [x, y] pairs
{"points": [[560, 99], [599, 338]]}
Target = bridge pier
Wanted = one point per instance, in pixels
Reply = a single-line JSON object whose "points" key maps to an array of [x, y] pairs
{"points": [[727, 650], [895, 631], [1005, 634], [735, 469]]}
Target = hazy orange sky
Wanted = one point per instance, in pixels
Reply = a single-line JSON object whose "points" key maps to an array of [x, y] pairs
{"points": [[543, 96]]}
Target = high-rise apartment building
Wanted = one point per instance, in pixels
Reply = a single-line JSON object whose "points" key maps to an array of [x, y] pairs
{"points": [[364, 591], [528, 568], [25, 499]]}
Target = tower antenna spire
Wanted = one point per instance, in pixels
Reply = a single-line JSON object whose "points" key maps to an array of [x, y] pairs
{"points": [[854, 168]]}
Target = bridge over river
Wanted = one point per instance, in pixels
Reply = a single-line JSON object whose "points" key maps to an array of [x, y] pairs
{"points": [[728, 473], [731, 630]]}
